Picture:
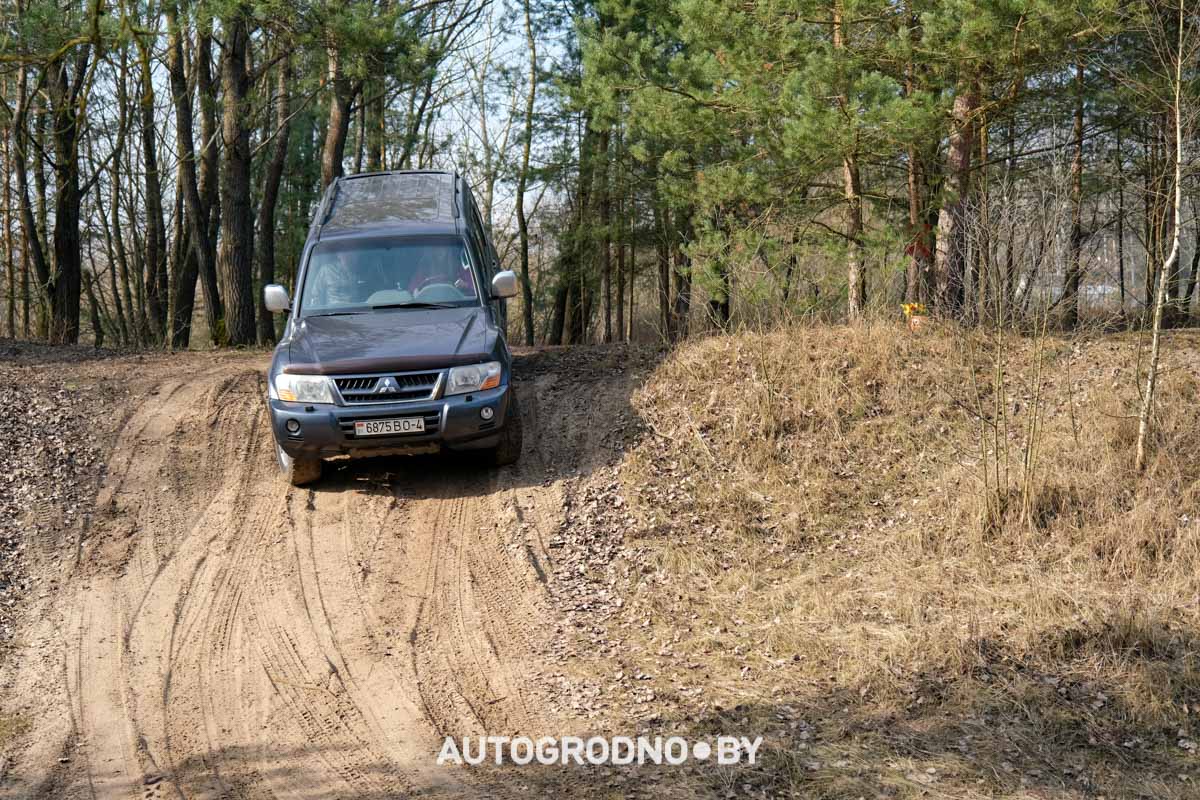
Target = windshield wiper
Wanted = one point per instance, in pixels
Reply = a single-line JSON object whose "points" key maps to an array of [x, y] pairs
{"points": [[411, 305], [336, 314]]}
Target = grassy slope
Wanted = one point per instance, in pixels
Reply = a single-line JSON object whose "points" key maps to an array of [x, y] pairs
{"points": [[820, 560]]}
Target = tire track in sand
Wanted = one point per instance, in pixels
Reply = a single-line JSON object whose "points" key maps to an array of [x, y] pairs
{"points": [[230, 636]]}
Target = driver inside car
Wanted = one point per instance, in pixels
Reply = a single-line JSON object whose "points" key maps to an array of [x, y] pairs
{"points": [[444, 267]]}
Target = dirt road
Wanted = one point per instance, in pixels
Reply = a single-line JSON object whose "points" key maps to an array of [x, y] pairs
{"points": [[218, 634]]}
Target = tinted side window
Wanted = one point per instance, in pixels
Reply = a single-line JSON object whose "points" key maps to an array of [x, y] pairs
{"points": [[482, 235], [481, 244]]}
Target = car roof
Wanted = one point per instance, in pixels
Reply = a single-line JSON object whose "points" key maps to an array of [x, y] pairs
{"points": [[400, 202]]}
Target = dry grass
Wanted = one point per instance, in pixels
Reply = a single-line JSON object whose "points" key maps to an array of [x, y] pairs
{"points": [[820, 536], [11, 727]]}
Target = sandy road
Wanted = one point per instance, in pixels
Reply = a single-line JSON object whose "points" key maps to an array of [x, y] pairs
{"points": [[223, 635]]}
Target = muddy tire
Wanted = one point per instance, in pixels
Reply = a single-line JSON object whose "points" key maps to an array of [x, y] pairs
{"points": [[297, 471], [511, 438]]}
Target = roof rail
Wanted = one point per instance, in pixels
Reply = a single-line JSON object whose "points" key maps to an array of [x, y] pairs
{"points": [[377, 173], [327, 205], [337, 182]]}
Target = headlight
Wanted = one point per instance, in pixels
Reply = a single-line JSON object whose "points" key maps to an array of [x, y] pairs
{"points": [[302, 388], [473, 378]]}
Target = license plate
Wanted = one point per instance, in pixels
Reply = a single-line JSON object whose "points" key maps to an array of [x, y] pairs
{"points": [[389, 427]]}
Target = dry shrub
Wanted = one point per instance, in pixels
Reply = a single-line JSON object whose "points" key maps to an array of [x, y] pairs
{"points": [[817, 496], [1087, 506]]}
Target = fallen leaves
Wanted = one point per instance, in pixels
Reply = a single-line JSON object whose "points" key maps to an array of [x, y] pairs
{"points": [[50, 460]]}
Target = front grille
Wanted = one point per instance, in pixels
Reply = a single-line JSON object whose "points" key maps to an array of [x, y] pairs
{"points": [[433, 421], [356, 384], [395, 388]]}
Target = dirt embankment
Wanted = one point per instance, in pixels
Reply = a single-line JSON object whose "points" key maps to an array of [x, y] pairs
{"points": [[919, 566], [209, 632]]}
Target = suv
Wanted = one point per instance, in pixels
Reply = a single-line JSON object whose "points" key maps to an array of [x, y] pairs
{"points": [[395, 342]]}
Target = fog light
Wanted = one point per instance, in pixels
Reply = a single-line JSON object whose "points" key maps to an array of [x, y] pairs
{"points": [[293, 426], [486, 413]]}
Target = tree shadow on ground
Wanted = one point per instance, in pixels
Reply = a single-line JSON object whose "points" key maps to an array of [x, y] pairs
{"points": [[1008, 729], [1059, 724]]}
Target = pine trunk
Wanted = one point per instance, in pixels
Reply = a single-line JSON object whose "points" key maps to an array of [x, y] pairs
{"points": [[682, 307], [156, 232], [1074, 274], [621, 267], [208, 179], [10, 264], [63, 289], [606, 234], [856, 277], [663, 257], [235, 249], [196, 210], [523, 179], [270, 196], [950, 259], [34, 250], [336, 131]]}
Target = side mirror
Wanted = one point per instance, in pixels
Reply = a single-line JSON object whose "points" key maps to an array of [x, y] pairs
{"points": [[275, 298], [504, 284]]}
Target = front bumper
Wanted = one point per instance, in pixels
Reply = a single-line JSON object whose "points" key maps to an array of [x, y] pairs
{"points": [[453, 423]]}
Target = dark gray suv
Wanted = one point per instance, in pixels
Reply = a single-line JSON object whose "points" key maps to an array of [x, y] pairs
{"points": [[395, 342]]}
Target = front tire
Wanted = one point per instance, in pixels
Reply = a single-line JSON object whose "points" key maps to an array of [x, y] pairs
{"points": [[511, 438], [297, 471]]}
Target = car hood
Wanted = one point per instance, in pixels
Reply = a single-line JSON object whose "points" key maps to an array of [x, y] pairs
{"points": [[390, 340]]}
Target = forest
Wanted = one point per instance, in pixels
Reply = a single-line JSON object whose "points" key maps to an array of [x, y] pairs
{"points": [[650, 168]]}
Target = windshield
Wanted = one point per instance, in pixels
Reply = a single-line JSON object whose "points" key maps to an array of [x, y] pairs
{"points": [[366, 274]]}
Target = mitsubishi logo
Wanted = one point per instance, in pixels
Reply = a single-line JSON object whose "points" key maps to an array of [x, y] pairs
{"points": [[387, 385]]}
